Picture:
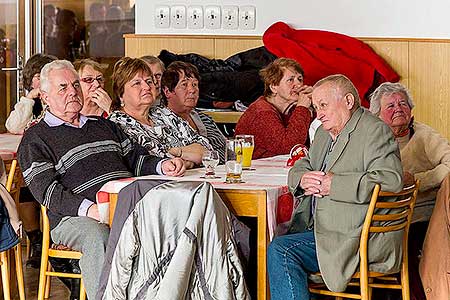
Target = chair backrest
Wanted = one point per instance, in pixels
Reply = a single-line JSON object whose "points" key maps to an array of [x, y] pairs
{"points": [[45, 227], [14, 179], [388, 212]]}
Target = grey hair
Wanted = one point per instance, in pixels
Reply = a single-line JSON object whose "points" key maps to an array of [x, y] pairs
{"points": [[387, 89], [152, 60], [54, 65], [345, 86]]}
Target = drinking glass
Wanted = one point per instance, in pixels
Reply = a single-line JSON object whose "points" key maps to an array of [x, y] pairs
{"points": [[210, 160], [248, 144], [233, 160]]}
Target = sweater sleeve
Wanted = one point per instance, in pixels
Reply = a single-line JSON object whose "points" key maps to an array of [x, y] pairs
{"points": [[39, 172], [20, 116], [274, 137]]}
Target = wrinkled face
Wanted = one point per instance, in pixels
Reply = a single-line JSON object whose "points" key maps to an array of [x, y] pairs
{"points": [[395, 111], [139, 91], [289, 87], [64, 96], [90, 80], [157, 74], [185, 95], [333, 109]]}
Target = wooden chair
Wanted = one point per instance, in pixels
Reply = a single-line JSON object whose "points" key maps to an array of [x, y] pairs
{"points": [[58, 251], [13, 187], [399, 216]]}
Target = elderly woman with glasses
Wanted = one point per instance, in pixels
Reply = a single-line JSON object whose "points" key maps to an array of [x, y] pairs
{"points": [[96, 100], [425, 155], [134, 95]]}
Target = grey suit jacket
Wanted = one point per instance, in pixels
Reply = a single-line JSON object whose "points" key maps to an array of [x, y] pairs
{"points": [[365, 153]]}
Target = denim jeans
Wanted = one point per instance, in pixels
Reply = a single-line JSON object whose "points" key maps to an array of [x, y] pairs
{"points": [[289, 259]]}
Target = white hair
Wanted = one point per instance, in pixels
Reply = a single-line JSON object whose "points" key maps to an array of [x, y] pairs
{"points": [[387, 89], [54, 65]]}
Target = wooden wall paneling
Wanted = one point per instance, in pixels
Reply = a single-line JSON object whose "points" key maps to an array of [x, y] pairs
{"points": [[177, 44], [224, 48], [430, 84], [395, 53]]}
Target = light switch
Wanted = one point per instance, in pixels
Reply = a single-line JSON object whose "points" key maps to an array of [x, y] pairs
{"points": [[247, 17], [195, 17], [178, 16], [162, 16], [230, 17], [212, 17]]}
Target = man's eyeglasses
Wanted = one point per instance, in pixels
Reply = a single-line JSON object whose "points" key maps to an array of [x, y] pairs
{"points": [[90, 80]]}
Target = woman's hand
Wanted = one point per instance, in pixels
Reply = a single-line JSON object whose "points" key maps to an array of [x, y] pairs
{"points": [[192, 152], [34, 93], [173, 167], [305, 96], [102, 99]]}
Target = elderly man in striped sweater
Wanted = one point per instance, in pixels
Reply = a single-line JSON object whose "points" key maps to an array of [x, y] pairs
{"points": [[67, 157]]}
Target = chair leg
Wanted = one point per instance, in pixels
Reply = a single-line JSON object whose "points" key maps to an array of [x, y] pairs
{"points": [[19, 271], [28, 247], [5, 275], [42, 274], [48, 283], [82, 290]]}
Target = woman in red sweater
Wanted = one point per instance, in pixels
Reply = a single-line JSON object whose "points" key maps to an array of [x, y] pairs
{"points": [[281, 117]]}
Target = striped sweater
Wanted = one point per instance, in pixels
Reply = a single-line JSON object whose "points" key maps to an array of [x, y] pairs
{"points": [[64, 165]]}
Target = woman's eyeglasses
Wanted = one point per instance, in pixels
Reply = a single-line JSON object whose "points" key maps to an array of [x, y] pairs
{"points": [[90, 80]]}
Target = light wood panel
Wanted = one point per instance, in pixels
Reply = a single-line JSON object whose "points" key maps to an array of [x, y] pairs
{"points": [[430, 84], [423, 64]]}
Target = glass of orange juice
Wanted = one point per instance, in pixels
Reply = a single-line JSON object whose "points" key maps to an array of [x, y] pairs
{"points": [[248, 144]]}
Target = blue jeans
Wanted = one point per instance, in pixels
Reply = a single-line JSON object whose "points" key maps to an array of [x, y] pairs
{"points": [[289, 260]]}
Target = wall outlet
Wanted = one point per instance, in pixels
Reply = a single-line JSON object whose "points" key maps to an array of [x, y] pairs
{"points": [[178, 16], [247, 17], [162, 16], [195, 17], [212, 17], [230, 17]]}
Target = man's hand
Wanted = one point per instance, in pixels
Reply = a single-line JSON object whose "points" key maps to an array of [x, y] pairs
{"points": [[316, 183], [93, 212], [173, 167], [34, 93], [102, 99], [305, 96]]}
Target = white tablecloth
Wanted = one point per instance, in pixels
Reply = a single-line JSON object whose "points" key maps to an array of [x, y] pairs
{"points": [[8, 145], [269, 174]]}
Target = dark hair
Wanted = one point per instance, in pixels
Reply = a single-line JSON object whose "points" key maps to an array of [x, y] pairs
{"points": [[34, 66], [171, 76], [124, 70], [273, 73]]}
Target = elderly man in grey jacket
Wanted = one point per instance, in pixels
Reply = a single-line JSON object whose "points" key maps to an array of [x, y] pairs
{"points": [[352, 151]]}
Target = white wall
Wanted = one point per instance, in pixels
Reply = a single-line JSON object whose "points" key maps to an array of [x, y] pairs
{"points": [[361, 18]]}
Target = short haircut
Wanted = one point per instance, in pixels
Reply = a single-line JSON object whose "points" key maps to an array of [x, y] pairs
{"points": [[273, 72], [54, 65], [387, 89], [34, 66], [171, 76], [124, 70], [344, 85], [80, 64], [152, 60]]}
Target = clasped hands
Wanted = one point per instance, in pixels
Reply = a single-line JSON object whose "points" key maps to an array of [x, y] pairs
{"points": [[316, 183]]}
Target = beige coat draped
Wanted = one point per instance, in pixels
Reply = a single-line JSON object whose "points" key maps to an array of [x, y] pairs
{"points": [[365, 153]]}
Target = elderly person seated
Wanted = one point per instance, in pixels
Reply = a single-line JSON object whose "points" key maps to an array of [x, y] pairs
{"points": [[352, 151], [67, 157], [280, 118], [425, 156], [158, 68], [134, 94], [180, 86], [96, 100], [29, 107]]}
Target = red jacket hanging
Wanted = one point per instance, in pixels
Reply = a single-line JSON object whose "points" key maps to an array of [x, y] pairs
{"points": [[322, 53]]}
